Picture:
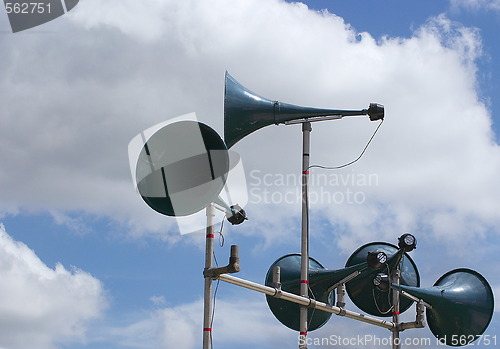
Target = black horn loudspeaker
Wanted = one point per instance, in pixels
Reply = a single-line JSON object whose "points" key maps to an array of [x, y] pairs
{"points": [[246, 111]]}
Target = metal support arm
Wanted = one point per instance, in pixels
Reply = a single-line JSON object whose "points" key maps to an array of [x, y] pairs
{"points": [[306, 301], [419, 321], [232, 267]]}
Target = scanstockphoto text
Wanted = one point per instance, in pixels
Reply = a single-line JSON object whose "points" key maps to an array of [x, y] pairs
{"points": [[323, 188], [371, 340]]}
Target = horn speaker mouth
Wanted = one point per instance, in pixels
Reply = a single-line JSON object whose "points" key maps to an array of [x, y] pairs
{"points": [[466, 308]]}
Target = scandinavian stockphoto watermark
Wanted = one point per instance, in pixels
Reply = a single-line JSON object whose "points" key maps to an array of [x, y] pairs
{"points": [[324, 188], [28, 14]]}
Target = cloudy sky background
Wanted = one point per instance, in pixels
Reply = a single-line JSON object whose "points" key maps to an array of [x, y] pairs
{"points": [[86, 264]]}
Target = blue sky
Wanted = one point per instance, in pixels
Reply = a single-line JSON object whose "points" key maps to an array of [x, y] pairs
{"points": [[86, 264]]}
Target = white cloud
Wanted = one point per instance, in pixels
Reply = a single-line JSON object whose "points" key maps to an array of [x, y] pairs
{"points": [[157, 300], [237, 322], [476, 4], [39, 306], [75, 97], [71, 111]]}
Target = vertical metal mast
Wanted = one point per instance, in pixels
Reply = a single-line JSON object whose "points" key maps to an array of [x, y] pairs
{"points": [[304, 269], [207, 297], [395, 279]]}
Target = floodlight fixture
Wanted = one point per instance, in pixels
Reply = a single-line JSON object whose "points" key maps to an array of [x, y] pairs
{"points": [[407, 242], [376, 259], [381, 282], [237, 215]]}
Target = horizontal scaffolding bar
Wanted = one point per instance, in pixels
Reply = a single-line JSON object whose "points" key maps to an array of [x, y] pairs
{"points": [[311, 303]]}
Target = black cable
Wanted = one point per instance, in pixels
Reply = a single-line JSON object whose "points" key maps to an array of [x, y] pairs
{"points": [[313, 309], [388, 296], [359, 157], [221, 236], [215, 260], [306, 199], [213, 302]]}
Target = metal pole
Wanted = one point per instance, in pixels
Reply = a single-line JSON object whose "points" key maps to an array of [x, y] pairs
{"points": [[307, 302], [396, 275], [207, 296], [304, 260]]}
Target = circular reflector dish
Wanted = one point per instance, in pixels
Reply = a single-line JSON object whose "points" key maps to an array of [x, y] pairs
{"points": [[363, 292], [182, 168]]}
